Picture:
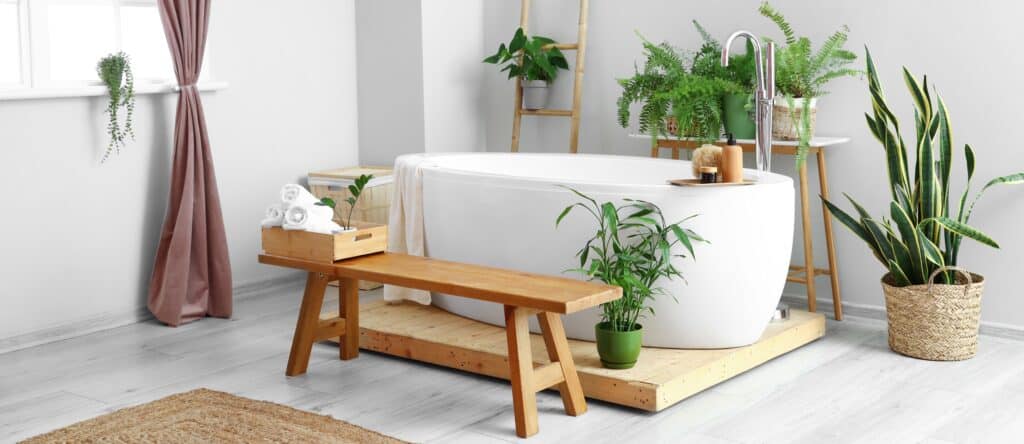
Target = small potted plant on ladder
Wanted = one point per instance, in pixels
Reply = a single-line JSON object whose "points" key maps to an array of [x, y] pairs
{"points": [[535, 61], [633, 249]]}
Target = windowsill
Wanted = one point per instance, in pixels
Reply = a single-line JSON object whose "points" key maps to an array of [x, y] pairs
{"points": [[98, 90]]}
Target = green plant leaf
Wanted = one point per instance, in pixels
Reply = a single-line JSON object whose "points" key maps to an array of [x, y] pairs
{"points": [[962, 230], [879, 234], [962, 216], [924, 107], [564, 213], [327, 202], [909, 236], [684, 238], [497, 56], [945, 152], [787, 30], [518, 41], [847, 220], [931, 251], [898, 274], [1012, 179]]}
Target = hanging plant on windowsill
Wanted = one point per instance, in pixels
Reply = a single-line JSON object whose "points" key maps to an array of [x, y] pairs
{"points": [[116, 73]]}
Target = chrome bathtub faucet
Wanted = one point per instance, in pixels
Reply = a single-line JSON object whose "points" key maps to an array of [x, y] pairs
{"points": [[764, 96]]}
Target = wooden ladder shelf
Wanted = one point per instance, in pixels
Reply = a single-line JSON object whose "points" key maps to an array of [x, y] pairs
{"points": [[580, 47]]}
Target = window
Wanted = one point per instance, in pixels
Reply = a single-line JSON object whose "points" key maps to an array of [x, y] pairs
{"points": [[10, 44], [48, 45]]}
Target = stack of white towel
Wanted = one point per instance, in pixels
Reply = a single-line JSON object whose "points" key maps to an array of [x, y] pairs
{"points": [[298, 210]]}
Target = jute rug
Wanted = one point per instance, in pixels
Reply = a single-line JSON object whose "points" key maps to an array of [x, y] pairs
{"points": [[207, 416]]}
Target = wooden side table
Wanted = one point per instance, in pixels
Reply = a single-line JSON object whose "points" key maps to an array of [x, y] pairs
{"points": [[806, 272]]}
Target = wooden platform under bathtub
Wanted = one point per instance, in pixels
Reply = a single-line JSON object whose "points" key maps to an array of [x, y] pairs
{"points": [[660, 379]]}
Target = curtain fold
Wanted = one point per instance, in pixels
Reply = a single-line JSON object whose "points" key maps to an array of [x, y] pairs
{"points": [[192, 272]]}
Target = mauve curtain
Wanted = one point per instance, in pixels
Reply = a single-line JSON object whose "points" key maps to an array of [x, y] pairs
{"points": [[192, 273]]}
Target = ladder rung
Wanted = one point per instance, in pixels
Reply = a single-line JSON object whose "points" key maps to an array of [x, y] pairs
{"points": [[563, 46], [547, 112]]}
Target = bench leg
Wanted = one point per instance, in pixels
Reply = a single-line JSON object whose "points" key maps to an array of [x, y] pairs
{"points": [[348, 297], [306, 327], [520, 362], [558, 351]]}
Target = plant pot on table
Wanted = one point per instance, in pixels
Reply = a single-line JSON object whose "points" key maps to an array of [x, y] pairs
{"points": [[618, 349], [535, 94], [937, 322], [785, 120], [738, 119]]}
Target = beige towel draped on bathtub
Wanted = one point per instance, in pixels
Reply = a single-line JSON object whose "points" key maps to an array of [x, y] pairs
{"points": [[405, 223]]}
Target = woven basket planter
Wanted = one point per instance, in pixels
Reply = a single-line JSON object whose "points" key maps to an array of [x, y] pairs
{"points": [[784, 121], [936, 322], [672, 126]]}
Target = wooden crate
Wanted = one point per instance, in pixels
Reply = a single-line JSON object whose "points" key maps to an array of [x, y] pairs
{"points": [[662, 377], [368, 238], [373, 206]]}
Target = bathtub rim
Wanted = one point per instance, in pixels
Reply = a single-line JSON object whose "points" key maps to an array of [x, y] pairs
{"points": [[775, 179]]}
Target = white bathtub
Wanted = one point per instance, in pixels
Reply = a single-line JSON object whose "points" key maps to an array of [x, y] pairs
{"points": [[499, 210]]}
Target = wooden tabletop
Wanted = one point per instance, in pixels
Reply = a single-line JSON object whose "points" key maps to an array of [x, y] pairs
{"points": [[817, 141], [541, 292]]}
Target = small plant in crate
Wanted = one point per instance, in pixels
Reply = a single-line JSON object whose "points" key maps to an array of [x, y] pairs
{"points": [[356, 190]]}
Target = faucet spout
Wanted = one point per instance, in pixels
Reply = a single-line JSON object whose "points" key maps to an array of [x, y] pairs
{"points": [[764, 94]]}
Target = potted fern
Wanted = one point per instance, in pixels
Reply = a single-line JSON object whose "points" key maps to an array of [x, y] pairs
{"points": [[672, 92], [738, 97], [801, 74], [921, 242], [535, 61], [115, 71], [632, 249]]}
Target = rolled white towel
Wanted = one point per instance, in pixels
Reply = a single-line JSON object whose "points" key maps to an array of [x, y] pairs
{"points": [[293, 194], [274, 216], [329, 227], [306, 217]]}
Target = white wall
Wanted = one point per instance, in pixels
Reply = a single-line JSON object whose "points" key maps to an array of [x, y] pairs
{"points": [[420, 77], [390, 48], [453, 100], [78, 237], [960, 45]]}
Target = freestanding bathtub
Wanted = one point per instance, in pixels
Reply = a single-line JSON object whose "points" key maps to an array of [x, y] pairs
{"points": [[499, 209]]}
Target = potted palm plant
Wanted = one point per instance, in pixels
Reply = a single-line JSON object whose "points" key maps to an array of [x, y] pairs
{"points": [[535, 61], [921, 242], [801, 74], [632, 249]]}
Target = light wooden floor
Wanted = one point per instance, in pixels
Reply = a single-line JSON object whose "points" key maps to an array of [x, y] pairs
{"points": [[845, 387]]}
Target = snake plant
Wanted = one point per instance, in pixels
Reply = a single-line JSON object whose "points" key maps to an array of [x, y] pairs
{"points": [[924, 234]]}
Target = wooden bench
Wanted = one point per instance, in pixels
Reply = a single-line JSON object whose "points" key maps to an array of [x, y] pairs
{"points": [[521, 294]]}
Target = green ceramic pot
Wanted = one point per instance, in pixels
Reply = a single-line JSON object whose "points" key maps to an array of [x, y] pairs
{"points": [[738, 120], [618, 349]]}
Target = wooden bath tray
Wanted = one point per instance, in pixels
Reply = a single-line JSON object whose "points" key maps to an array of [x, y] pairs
{"points": [[660, 379], [696, 183]]}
